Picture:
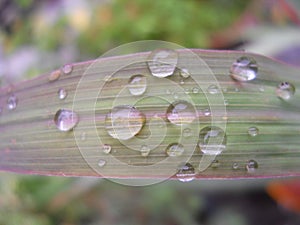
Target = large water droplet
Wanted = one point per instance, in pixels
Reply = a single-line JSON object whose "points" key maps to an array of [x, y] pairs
{"points": [[251, 166], [12, 102], [67, 69], [285, 90], [213, 89], [181, 112], [212, 140], [54, 75], [62, 93], [175, 150], [137, 84], [106, 148], [186, 173], [162, 62], [124, 122], [253, 131], [244, 69], [65, 120]]}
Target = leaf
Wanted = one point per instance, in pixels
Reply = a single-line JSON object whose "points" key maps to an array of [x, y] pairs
{"points": [[261, 129]]}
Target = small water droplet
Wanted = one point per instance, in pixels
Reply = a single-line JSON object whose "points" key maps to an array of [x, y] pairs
{"points": [[145, 150], [226, 102], [187, 91], [187, 132], [206, 112], [67, 69], [137, 84], [106, 148], [261, 88], [244, 69], [62, 93], [83, 136], [65, 120], [215, 163], [54, 75], [175, 149], [124, 122], [235, 166], [181, 112], [213, 89], [175, 95], [184, 73], [162, 62], [253, 131], [186, 173], [181, 82], [101, 163], [285, 90], [251, 166], [212, 140], [12, 102], [195, 90]]}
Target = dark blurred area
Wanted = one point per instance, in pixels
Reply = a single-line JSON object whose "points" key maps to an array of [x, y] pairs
{"points": [[39, 36]]}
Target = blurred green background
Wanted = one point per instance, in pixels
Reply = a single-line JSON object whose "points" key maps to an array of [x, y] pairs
{"points": [[39, 36]]}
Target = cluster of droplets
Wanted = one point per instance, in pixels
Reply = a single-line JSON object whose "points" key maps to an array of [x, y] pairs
{"points": [[246, 69]]}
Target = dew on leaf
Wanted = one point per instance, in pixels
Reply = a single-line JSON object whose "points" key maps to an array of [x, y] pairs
{"points": [[65, 120], [124, 122], [244, 69], [212, 140], [186, 173], [162, 62]]}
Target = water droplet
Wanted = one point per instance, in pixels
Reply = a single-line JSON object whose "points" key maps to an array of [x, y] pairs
{"points": [[253, 131], [181, 112], [195, 90], [261, 88], [251, 166], [244, 69], [62, 93], [184, 73], [235, 166], [12, 102], [181, 82], [212, 140], [137, 84], [213, 89], [124, 122], [145, 150], [215, 163], [67, 68], [226, 102], [187, 132], [285, 90], [206, 112], [186, 173], [101, 163], [175, 150], [83, 136], [162, 62], [106, 148], [65, 120], [54, 75]]}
